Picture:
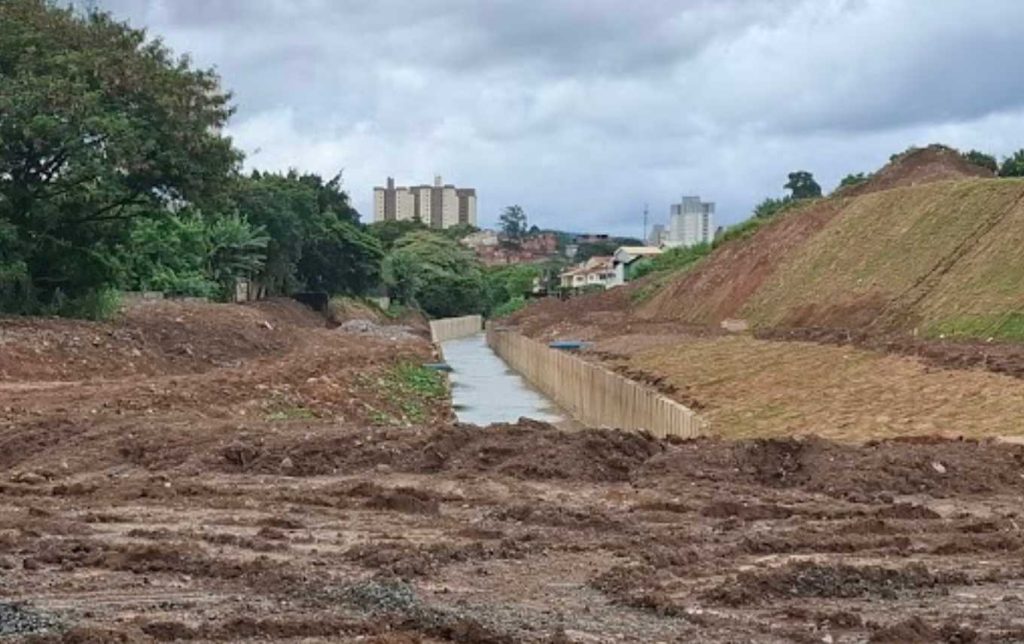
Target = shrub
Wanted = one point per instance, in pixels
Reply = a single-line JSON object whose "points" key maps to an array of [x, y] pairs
{"points": [[741, 230], [509, 307], [100, 304]]}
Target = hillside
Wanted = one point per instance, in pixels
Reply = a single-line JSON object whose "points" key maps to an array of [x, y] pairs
{"points": [[934, 258]]}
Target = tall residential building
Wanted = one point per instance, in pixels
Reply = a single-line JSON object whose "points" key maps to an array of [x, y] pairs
{"points": [[439, 206], [691, 222]]}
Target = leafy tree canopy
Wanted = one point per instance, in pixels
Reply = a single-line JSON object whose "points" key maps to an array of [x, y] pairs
{"points": [[98, 127], [981, 159], [504, 284], [1013, 166], [802, 185], [187, 254], [513, 222], [315, 240], [389, 232], [597, 249], [435, 273], [458, 231], [114, 174]]}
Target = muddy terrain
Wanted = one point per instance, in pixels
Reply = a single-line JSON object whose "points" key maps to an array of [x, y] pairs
{"points": [[210, 473]]}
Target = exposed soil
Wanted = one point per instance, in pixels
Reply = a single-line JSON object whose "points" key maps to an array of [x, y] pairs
{"points": [[717, 288], [933, 163], [277, 495]]}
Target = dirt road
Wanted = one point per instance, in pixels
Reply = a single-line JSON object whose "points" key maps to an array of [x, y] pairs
{"points": [[280, 481]]}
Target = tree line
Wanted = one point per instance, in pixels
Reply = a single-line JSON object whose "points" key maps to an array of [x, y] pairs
{"points": [[115, 174]]}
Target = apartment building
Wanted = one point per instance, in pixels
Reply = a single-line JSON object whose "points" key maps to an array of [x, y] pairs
{"points": [[439, 206], [691, 222]]}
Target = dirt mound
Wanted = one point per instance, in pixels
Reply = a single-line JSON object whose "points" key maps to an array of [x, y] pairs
{"points": [[148, 338], [344, 309], [637, 587], [916, 166], [584, 316], [880, 469], [526, 450]]}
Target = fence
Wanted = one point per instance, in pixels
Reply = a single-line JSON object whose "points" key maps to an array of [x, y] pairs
{"points": [[452, 328], [592, 394]]}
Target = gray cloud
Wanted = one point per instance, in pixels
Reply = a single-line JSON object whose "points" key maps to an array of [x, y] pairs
{"points": [[583, 110]]}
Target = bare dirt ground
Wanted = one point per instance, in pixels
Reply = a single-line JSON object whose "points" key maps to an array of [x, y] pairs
{"points": [[276, 483]]}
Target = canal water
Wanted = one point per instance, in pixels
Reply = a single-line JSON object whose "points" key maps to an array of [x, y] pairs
{"points": [[485, 390]]}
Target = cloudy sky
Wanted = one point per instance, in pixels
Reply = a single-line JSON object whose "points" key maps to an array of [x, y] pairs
{"points": [[582, 111]]}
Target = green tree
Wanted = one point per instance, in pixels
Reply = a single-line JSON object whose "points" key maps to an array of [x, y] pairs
{"points": [[513, 222], [389, 232], [340, 257], [315, 240], [237, 250], [597, 249], [802, 185], [169, 254], [435, 273], [503, 284], [458, 231], [287, 209], [98, 127], [1013, 166], [188, 254], [981, 159]]}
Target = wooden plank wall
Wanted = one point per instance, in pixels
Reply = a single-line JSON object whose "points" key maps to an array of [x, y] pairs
{"points": [[453, 328], [593, 395]]}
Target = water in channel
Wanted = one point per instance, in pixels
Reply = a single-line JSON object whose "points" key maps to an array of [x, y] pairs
{"points": [[485, 390]]}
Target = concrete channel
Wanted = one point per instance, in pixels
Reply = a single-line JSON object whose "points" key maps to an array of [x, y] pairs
{"points": [[501, 376], [485, 390]]}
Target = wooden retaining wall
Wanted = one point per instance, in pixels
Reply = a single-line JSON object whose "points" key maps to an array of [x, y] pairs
{"points": [[453, 328], [593, 395]]}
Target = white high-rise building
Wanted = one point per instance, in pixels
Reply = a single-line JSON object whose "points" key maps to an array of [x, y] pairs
{"points": [[691, 222], [438, 206]]}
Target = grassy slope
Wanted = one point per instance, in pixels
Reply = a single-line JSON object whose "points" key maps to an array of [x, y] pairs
{"points": [[750, 388], [939, 258]]}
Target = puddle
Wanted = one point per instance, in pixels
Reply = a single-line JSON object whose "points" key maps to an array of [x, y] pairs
{"points": [[485, 390]]}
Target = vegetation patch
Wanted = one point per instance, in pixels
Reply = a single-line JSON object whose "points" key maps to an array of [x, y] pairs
{"points": [[673, 259], [509, 307], [999, 327], [412, 390]]}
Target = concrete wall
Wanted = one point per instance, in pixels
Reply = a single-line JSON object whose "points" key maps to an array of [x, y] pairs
{"points": [[453, 328], [593, 395]]}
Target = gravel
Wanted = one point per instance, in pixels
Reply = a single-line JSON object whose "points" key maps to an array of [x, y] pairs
{"points": [[19, 620], [368, 327]]}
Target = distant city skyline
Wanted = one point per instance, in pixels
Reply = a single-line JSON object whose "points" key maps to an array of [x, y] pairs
{"points": [[581, 112]]}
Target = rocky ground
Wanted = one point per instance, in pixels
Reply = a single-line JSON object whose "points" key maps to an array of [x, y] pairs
{"points": [[213, 473]]}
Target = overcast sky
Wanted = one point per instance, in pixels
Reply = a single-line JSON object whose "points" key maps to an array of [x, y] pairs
{"points": [[582, 111]]}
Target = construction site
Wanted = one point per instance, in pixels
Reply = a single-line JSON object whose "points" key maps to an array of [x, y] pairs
{"points": [[848, 468]]}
